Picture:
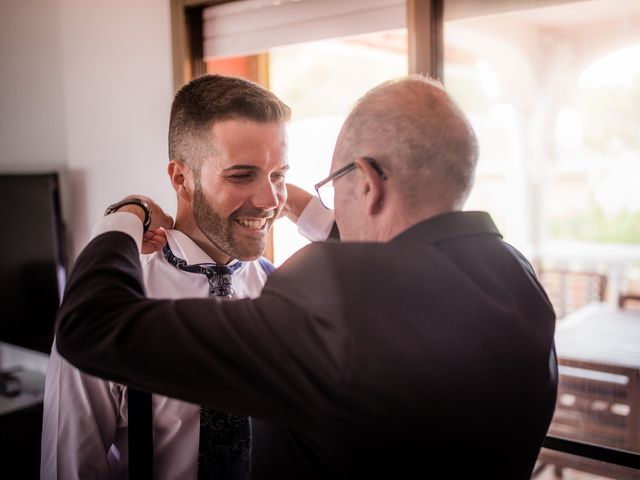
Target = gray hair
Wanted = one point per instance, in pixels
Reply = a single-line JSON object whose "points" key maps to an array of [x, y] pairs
{"points": [[419, 135]]}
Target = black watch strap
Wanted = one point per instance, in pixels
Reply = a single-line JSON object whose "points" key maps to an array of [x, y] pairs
{"points": [[132, 201]]}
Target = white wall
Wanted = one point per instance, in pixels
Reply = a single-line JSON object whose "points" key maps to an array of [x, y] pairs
{"points": [[85, 90], [32, 130], [116, 69]]}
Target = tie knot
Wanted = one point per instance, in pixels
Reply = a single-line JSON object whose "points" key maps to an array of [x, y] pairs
{"points": [[219, 276], [218, 269]]}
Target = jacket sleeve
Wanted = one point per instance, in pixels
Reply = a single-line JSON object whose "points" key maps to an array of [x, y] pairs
{"points": [[266, 357]]}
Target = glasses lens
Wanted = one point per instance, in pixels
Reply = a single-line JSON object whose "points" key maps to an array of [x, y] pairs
{"points": [[326, 192]]}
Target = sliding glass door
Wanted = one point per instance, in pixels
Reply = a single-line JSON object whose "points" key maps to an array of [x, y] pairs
{"points": [[554, 96]]}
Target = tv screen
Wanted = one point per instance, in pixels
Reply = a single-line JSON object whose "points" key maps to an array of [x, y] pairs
{"points": [[32, 269]]}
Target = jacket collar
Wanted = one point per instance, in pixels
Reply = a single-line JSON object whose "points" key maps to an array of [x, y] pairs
{"points": [[450, 225]]}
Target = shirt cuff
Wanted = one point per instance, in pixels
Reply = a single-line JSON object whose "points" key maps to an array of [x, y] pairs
{"points": [[124, 222], [315, 221]]}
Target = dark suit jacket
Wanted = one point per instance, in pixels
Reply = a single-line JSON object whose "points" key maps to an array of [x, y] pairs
{"points": [[359, 359]]}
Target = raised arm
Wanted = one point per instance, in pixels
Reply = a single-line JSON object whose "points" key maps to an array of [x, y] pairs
{"points": [[314, 221], [188, 349], [297, 201]]}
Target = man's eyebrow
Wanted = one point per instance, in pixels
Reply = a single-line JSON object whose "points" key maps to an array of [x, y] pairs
{"points": [[240, 167], [250, 167]]}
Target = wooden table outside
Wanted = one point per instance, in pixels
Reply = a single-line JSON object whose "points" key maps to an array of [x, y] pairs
{"points": [[598, 349], [601, 333]]}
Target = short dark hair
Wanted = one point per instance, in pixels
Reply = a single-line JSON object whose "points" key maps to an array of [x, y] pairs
{"points": [[213, 98]]}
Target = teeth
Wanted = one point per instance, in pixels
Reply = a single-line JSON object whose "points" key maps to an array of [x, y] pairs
{"points": [[252, 223]]}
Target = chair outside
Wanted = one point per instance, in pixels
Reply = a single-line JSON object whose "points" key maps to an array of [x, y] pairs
{"points": [[599, 405], [599, 387], [629, 300], [569, 290]]}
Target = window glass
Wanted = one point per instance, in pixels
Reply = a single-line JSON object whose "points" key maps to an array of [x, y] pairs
{"points": [[321, 81], [553, 95]]}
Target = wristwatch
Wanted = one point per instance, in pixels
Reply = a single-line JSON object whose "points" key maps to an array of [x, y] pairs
{"points": [[132, 201]]}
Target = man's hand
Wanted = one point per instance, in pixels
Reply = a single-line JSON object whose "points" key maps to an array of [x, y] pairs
{"points": [[158, 217], [155, 238], [297, 200]]}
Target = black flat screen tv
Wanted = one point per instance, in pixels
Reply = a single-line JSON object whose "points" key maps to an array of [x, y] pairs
{"points": [[32, 266]]}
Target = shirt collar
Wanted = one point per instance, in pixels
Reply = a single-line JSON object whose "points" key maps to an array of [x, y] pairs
{"points": [[183, 247]]}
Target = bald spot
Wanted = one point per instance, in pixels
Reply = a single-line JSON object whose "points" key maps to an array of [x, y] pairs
{"points": [[419, 136]]}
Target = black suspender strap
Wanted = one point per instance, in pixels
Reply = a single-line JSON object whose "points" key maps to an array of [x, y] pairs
{"points": [[140, 435]]}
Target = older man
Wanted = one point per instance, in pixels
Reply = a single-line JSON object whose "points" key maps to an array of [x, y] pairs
{"points": [[421, 343]]}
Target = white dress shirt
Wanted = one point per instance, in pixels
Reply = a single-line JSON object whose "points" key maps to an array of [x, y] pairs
{"points": [[85, 428], [85, 418], [315, 221]]}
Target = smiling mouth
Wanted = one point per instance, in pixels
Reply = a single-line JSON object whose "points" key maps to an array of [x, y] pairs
{"points": [[255, 223]]}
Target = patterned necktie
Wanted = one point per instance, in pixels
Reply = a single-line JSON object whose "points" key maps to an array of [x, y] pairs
{"points": [[224, 438], [219, 276]]}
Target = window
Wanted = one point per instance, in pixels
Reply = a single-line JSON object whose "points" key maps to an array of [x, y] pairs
{"points": [[321, 81], [551, 87], [321, 56], [552, 93]]}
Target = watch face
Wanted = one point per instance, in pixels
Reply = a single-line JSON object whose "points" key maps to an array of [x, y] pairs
{"points": [[110, 209], [132, 201]]}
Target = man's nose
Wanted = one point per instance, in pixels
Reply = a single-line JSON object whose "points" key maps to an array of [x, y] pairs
{"points": [[266, 195]]}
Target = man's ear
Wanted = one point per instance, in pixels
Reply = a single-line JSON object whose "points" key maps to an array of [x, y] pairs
{"points": [[181, 179], [372, 185]]}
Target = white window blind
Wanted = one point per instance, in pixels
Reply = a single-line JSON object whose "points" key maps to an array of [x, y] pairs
{"points": [[253, 26]]}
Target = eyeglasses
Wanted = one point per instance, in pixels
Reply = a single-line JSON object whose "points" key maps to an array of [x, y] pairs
{"points": [[325, 189]]}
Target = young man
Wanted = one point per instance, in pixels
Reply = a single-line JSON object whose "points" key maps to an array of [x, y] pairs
{"points": [[228, 159], [421, 343]]}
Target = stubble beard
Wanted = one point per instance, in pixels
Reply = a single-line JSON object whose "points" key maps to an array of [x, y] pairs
{"points": [[219, 230]]}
